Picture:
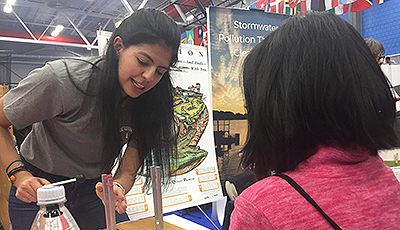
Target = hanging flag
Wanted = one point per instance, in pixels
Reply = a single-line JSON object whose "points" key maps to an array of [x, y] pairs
{"points": [[344, 2], [293, 3], [330, 4], [308, 5], [303, 7], [261, 4], [341, 9], [205, 39], [252, 6], [190, 37], [297, 9], [360, 5], [380, 1], [198, 35], [289, 10], [183, 38], [312, 5], [276, 6]]}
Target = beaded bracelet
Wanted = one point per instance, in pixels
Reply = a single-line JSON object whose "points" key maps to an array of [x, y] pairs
{"points": [[15, 170], [12, 163], [120, 186]]}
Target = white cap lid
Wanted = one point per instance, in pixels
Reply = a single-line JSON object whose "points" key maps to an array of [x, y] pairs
{"points": [[50, 195]]}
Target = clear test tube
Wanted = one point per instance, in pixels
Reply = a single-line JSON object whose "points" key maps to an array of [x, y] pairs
{"points": [[109, 203], [157, 196]]}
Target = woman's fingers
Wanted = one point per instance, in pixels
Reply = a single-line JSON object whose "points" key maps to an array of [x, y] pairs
{"points": [[120, 200], [43, 181], [99, 191], [119, 197], [120, 206], [27, 190], [25, 197]]}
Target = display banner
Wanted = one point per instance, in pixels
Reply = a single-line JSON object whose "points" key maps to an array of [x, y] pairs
{"points": [[232, 34], [195, 180]]}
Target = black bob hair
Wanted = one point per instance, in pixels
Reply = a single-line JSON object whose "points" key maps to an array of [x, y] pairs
{"points": [[313, 82]]}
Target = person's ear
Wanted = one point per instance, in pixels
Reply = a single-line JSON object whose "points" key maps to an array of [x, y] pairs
{"points": [[118, 45]]}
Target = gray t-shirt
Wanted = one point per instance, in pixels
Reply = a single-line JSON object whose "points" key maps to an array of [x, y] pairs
{"points": [[66, 134]]}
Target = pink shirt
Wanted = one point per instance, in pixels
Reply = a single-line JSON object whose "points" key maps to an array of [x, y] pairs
{"points": [[354, 189]]}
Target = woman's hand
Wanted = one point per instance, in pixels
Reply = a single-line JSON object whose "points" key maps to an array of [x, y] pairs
{"points": [[119, 197], [125, 176], [27, 186]]}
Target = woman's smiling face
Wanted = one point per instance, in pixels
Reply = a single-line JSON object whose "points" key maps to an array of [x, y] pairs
{"points": [[141, 67]]}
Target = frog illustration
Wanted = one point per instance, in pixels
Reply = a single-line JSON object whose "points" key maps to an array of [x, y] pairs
{"points": [[193, 116]]}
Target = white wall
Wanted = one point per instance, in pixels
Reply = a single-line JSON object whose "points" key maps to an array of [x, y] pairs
{"points": [[392, 72]]}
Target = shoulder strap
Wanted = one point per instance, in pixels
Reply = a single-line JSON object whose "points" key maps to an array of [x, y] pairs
{"points": [[308, 198]]}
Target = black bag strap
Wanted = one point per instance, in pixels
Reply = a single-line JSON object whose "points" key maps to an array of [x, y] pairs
{"points": [[308, 198]]}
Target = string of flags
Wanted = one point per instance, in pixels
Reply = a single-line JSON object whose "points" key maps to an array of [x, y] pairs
{"points": [[198, 35], [294, 7]]}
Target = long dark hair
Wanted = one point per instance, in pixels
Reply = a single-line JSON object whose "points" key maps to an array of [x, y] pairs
{"points": [[313, 82], [152, 112]]}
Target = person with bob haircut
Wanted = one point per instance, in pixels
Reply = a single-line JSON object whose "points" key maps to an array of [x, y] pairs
{"points": [[83, 110], [319, 109]]}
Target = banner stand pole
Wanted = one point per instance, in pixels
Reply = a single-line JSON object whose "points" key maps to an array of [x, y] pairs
{"points": [[157, 196]]}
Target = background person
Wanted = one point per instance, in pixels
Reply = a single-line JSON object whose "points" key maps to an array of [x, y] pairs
{"points": [[389, 61], [317, 113], [83, 111], [377, 49]]}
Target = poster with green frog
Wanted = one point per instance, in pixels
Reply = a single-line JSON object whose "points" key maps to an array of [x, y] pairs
{"points": [[195, 178], [192, 115]]}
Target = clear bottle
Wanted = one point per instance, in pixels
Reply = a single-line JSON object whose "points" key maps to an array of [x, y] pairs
{"points": [[53, 215]]}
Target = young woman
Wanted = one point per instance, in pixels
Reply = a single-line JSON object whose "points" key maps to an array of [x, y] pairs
{"points": [[319, 109], [83, 111]]}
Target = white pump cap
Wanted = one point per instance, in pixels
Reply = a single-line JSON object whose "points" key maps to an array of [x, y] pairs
{"points": [[50, 195]]}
